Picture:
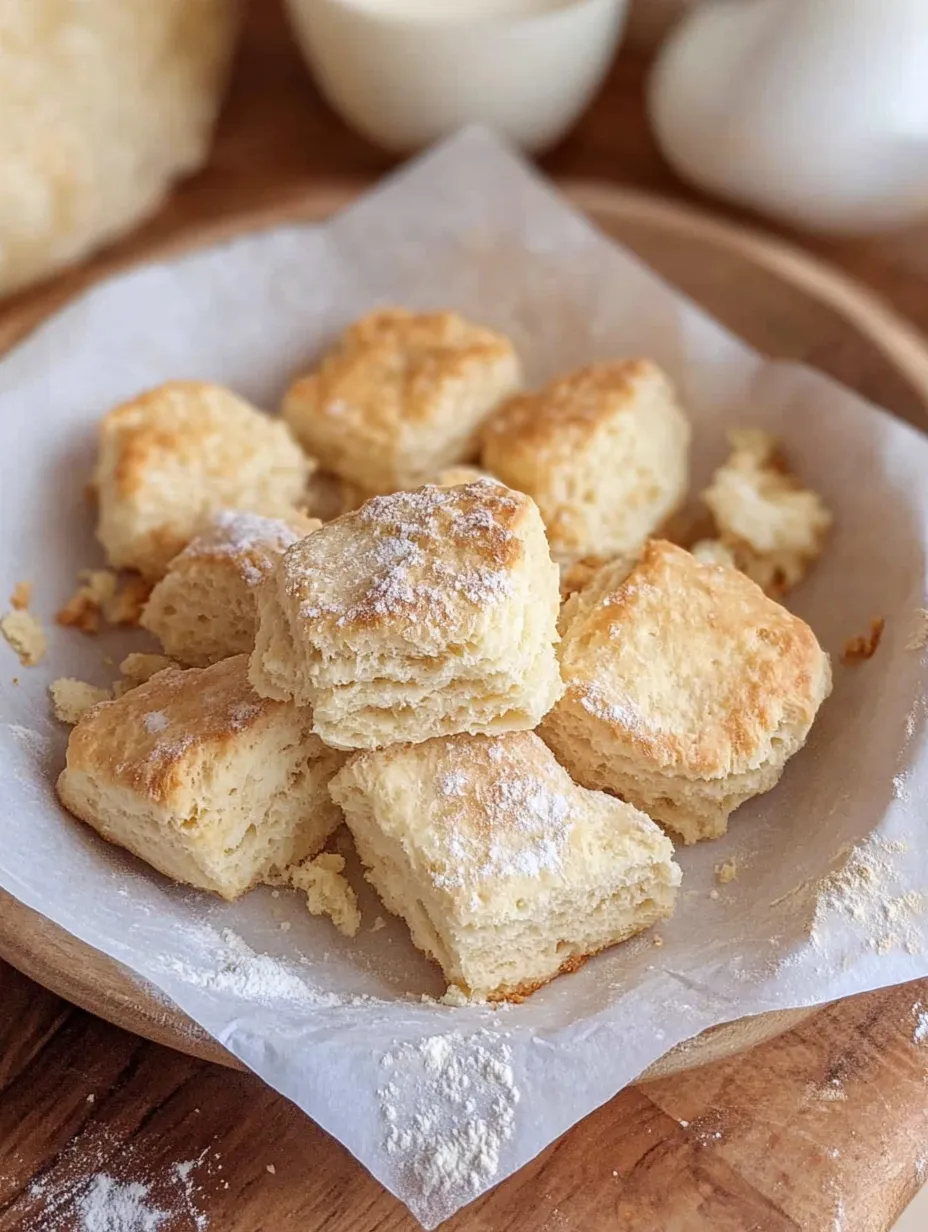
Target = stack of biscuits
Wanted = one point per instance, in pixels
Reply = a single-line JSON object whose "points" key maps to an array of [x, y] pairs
{"points": [[510, 766]]}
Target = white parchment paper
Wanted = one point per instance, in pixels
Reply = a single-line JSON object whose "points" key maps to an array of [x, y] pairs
{"points": [[832, 865]]}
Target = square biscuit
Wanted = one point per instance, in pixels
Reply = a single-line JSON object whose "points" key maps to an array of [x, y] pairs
{"points": [[421, 614], [686, 688], [506, 872], [401, 396], [203, 609], [604, 452], [209, 783], [176, 453]]}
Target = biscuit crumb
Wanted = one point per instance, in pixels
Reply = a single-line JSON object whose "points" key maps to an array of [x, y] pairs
{"points": [[773, 526], [454, 995], [125, 607], [327, 892], [713, 893], [25, 635], [658, 941], [84, 610], [21, 596], [919, 638], [71, 699], [378, 924], [139, 668], [858, 649], [726, 871], [272, 1169], [714, 552]]}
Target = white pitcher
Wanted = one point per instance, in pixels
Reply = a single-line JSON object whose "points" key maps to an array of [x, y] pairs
{"points": [[813, 111]]}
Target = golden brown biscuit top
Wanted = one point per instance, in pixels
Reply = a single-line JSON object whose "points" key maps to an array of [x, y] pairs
{"points": [[393, 366], [186, 423], [412, 558], [577, 404], [247, 542], [144, 739], [690, 664]]}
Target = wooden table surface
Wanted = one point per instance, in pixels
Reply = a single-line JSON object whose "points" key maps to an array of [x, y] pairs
{"points": [[823, 1129]]}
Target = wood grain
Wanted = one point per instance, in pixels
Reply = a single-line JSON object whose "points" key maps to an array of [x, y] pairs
{"points": [[746, 1143]]}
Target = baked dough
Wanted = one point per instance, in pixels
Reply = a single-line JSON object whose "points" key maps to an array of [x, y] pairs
{"points": [[773, 528], [686, 688], [176, 453], [203, 609], [401, 396], [102, 105], [210, 784], [421, 614], [604, 452], [506, 872]]}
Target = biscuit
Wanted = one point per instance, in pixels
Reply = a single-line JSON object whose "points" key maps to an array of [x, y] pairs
{"points": [[422, 614], [772, 526], [604, 452], [203, 609], [686, 688], [401, 396], [210, 784], [176, 453], [506, 872]]}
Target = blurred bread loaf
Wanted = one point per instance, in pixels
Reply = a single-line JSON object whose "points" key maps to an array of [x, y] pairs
{"points": [[102, 105]]}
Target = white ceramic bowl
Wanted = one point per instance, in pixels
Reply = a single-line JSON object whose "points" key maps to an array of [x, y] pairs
{"points": [[407, 72]]}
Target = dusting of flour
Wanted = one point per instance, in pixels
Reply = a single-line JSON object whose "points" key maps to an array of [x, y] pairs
{"points": [[449, 1108]]}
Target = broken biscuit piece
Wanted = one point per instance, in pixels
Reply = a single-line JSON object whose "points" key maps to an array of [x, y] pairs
{"points": [[71, 699], [774, 527], [23, 632], [326, 889]]}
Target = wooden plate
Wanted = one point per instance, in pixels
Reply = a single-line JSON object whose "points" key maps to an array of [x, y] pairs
{"points": [[780, 300]]}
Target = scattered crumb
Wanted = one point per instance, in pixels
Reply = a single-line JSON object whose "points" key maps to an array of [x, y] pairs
{"points": [[858, 649], [21, 596], [15, 680], [713, 893], [91, 1098], [139, 668], [726, 871], [658, 941], [714, 552], [327, 892], [919, 638], [71, 699], [272, 1169], [84, 610], [285, 926], [127, 604], [108, 661], [615, 1172], [378, 924], [830, 1093], [23, 632], [100, 597], [275, 893], [454, 995]]}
